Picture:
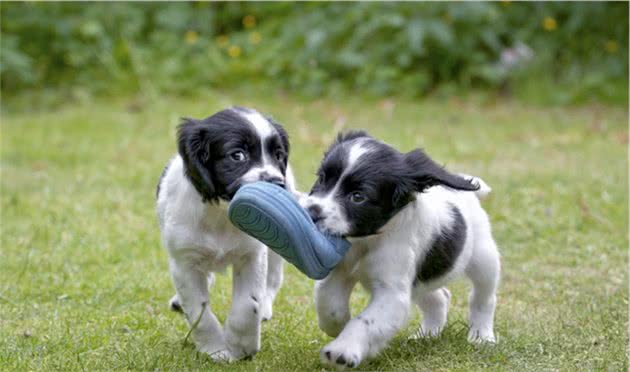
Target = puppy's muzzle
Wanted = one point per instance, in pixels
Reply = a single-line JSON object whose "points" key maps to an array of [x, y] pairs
{"points": [[265, 177], [315, 212]]}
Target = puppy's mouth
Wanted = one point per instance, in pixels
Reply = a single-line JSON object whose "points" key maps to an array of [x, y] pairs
{"points": [[360, 236], [278, 182], [232, 188], [345, 234], [274, 181], [323, 228]]}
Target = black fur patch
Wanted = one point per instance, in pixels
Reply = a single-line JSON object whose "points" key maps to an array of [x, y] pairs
{"points": [[445, 249]]}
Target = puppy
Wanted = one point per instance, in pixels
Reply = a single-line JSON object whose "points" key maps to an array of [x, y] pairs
{"points": [[413, 226], [217, 155]]}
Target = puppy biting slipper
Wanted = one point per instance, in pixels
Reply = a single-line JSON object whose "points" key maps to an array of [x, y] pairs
{"points": [[414, 227], [216, 157], [272, 215]]}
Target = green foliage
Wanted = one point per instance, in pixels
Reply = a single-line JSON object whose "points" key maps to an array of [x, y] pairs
{"points": [[580, 49]]}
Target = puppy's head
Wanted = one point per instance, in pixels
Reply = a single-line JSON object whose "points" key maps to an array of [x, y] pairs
{"points": [[231, 148], [362, 183]]}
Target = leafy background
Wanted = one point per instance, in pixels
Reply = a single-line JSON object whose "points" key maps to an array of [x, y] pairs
{"points": [[579, 50]]}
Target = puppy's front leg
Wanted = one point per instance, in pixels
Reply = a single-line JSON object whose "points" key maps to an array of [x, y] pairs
{"points": [[191, 286], [332, 295], [242, 327], [365, 335]]}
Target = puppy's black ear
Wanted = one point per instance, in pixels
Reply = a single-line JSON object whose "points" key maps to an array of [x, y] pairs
{"points": [[419, 173], [193, 144], [424, 173]]}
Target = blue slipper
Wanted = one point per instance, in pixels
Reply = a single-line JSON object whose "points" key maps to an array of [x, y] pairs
{"points": [[270, 214]]}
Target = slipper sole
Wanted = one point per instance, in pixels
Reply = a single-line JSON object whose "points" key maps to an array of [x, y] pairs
{"points": [[270, 214]]}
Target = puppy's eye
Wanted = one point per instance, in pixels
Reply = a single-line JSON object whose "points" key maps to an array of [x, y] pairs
{"points": [[357, 197], [238, 156]]}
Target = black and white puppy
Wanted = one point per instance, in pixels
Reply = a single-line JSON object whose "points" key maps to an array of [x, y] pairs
{"points": [[413, 226], [216, 156]]}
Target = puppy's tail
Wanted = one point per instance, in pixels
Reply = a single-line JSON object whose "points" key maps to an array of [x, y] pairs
{"points": [[484, 189]]}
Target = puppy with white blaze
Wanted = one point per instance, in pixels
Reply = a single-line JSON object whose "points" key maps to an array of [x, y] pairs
{"points": [[216, 156], [414, 227]]}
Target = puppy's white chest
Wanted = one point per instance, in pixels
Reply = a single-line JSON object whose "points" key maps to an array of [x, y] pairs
{"points": [[206, 237]]}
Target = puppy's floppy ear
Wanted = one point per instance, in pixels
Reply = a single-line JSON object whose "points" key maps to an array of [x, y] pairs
{"points": [[424, 173], [193, 145]]}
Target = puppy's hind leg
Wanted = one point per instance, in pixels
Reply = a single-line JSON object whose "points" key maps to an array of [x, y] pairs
{"points": [[484, 271], [434, 306]]}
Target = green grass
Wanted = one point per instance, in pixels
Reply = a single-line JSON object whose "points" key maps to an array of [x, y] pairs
{"points": [[84, 281]]}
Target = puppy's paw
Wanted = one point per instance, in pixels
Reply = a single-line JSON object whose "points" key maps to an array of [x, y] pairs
{"points": [[219, 353], [341, 354], [427, 331], [435, 316], [242, 345], [222, 356], [477, 335]]}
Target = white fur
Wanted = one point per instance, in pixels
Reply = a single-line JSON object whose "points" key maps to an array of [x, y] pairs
{"points": [[201, 240], [262, 125], [357, 149], [264, 129], [385, 264], [336, 221], [484, 189]]}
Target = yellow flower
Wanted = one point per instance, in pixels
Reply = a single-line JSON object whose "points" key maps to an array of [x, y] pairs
{"points": [[549, 24], [234, 51], [611, 46], [255, 38], [249, 21], [191, 37], [222, 41]]}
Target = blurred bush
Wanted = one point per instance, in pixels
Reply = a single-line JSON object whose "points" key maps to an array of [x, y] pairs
{"points": [[562, 51]]}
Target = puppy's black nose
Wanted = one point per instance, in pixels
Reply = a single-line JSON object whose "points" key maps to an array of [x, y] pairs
{"points": [[315, 211], [272, 179]]}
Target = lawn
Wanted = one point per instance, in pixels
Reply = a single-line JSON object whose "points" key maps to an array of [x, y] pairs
{"points": [[84, 282]]}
